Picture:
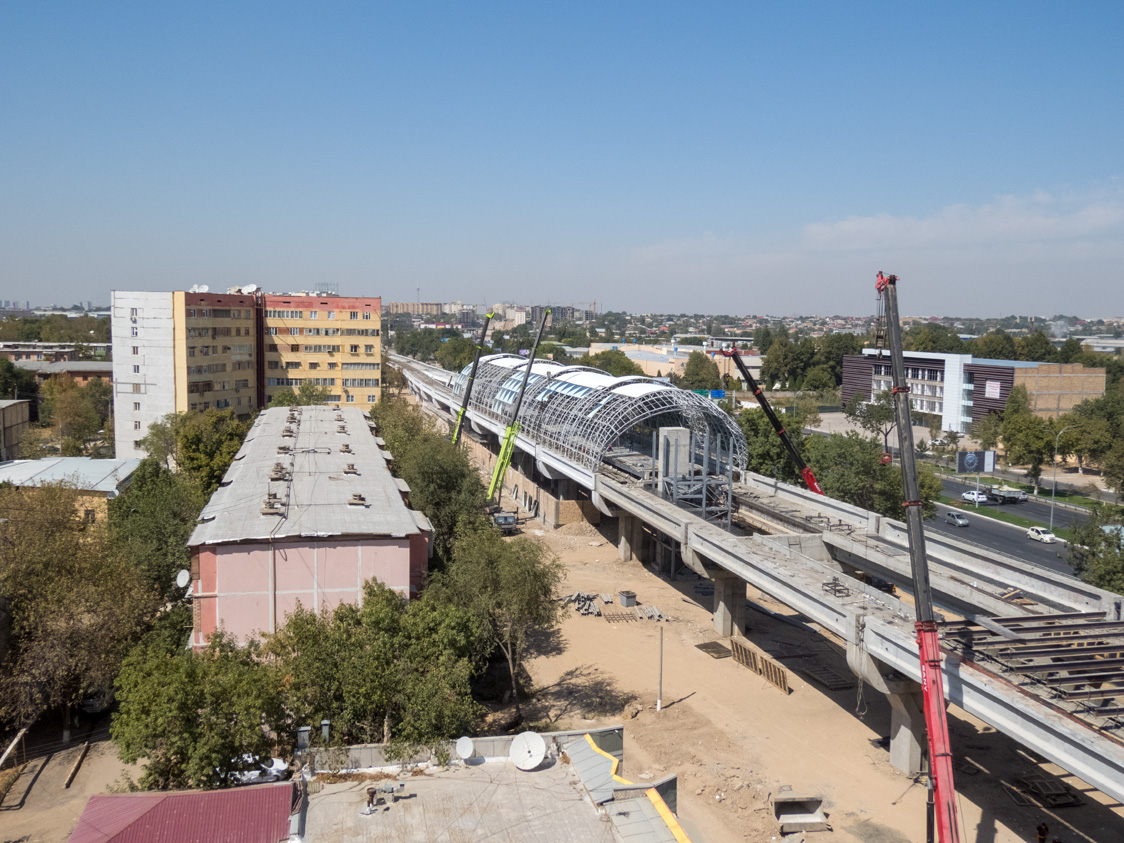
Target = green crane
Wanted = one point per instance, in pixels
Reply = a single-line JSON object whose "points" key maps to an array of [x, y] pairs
{"points": [[507, 446], [471, 378]]}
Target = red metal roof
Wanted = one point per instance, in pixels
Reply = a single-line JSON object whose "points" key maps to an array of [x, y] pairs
{"points": [[242, 815]]}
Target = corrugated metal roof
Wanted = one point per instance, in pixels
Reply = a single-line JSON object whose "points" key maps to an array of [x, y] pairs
{"points": [[243, 815], [639, 820], [311, 482], [58, 367], [83, 473]]}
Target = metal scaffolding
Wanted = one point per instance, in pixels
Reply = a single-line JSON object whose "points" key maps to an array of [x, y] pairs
{"points": [[580, 413]]}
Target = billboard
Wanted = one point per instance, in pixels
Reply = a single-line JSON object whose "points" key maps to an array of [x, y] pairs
{"points": [[975, 462], [991, 389]]}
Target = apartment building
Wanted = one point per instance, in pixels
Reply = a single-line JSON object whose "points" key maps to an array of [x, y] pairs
{"points": [[962, 389], [189, 351], [327, 341]]}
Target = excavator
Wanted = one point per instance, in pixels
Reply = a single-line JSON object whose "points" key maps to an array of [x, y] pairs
{"points": [[809, 478], [942, 791]]}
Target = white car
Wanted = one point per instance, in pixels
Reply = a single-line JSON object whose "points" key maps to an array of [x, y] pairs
{"points": [[974, 496], [1041, 534]]}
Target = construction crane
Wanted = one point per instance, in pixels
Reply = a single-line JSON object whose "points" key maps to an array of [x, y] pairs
{"points": [[471, 378], [809, 478], [507, 446], [942, 790]]}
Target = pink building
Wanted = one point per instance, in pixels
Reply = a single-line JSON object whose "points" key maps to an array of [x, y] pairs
{"points": [[307, 512]]}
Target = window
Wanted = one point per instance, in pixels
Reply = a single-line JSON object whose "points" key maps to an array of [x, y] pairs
{"points": [[373, 366], [137, 442], [132, 311], [293, 364], [136, 369], [136, 406], [314, 365], [312, 314], [369, 349], [333, 365], [136, 349], [366, 314], [134, 330], [355, 314], [273, 364], [331, 314], [350, 399], [354, 349], [360, 382], [372, 399], [136, 425], [136, 387]]}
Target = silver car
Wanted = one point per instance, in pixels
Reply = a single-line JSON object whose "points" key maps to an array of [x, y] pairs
{"points": [[1041, 534], [955, 519]]}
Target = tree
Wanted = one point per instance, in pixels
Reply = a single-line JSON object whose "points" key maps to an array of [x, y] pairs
{"points": [[987, 430], [201, 444], [151, 521], [933, 337], [455, 353], [766, 452], [1113, 468], [1028, 441], [76, 410], [194, 716], [780, 362], [819, 379], [998, 345], [612, 361], [701, 372], [389, 670], [1070, 350], [832, 349], [850, 468], [511, 586], [1097, 555], [307, 393], [1036, 346], [74, 607], [874, 416]]}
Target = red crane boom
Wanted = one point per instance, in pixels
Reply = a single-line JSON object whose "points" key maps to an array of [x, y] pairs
{"points": [[809, 478], [942, 789]]}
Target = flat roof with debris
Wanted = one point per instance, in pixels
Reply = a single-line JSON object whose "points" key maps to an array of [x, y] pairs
{"points": [[84, 473], [308, 471]]}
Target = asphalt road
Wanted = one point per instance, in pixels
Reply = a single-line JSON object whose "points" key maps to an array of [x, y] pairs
{"points": [[1005, 538], [1035, 510]]}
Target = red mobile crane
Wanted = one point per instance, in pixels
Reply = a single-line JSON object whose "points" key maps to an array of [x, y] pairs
{"points": [[809, 478], [942, 790]]}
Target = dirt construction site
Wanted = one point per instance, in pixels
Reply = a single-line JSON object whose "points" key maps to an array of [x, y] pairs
{"points": [[736, 737]]}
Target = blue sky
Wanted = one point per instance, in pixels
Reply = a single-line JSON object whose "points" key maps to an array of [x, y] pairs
{"points": [[733, 157]]}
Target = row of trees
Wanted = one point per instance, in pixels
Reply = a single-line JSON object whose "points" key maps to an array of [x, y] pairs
{"points": [[388, 670], [58, 327]]}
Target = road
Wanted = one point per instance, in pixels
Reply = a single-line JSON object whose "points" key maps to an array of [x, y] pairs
{"points": [[1035, 510], [1005, 538]]}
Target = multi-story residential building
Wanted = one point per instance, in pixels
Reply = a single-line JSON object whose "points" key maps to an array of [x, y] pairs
{"points": [[191, 351], [328, 341], [962, 389]]}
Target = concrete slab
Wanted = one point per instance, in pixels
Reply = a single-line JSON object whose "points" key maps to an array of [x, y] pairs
{"points": [[492, 801]]}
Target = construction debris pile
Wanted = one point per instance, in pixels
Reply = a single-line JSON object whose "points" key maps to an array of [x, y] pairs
{"points": [[587, 604]]}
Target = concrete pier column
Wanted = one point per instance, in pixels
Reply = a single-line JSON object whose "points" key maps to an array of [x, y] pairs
{"points": [[907, 731], [625, 530], [637, 540], [729, 603]]}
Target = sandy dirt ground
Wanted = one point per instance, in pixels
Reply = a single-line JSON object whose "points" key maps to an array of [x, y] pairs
{"points": [[39, 809], [734, 739]]}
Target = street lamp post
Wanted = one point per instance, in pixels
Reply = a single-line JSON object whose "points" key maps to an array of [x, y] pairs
{"points": [[1054, 490]]}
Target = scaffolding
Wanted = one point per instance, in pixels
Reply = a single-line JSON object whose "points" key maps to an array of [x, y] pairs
{"points": [[580, 413]]}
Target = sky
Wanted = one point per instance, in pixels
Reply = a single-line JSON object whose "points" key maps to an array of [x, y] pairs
{"points": [[719, 157]]}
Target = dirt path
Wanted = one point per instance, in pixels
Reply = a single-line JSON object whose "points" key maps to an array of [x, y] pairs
{"points": [[734, 739]]}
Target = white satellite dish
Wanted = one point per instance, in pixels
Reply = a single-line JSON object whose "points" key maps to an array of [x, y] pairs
{"points": [[250, 288], [465, 749], [527, 750], [203, 288], [194, 288], [183, 578]]}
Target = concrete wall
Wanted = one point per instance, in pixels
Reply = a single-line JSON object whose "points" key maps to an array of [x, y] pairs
{"points": [[250, 588], [141, 321]]}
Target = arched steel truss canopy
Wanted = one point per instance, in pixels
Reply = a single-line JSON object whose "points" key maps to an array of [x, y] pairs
{"points": [[580, 413]]}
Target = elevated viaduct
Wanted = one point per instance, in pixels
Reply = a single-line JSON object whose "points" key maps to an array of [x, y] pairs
{"points": [[1037, 655]]}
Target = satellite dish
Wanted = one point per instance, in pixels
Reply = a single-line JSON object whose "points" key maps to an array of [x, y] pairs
{"points": [[194, 288], [465, 749], [250, 288], [527, 750], [204, 288], [183, 578]]}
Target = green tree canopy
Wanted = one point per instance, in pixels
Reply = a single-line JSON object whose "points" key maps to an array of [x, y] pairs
{"points": [[1037, 346], [307, 393], [1097, 556], [510, 586], [201, 444], [874, 416], [612, 361], [701, 372]]}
